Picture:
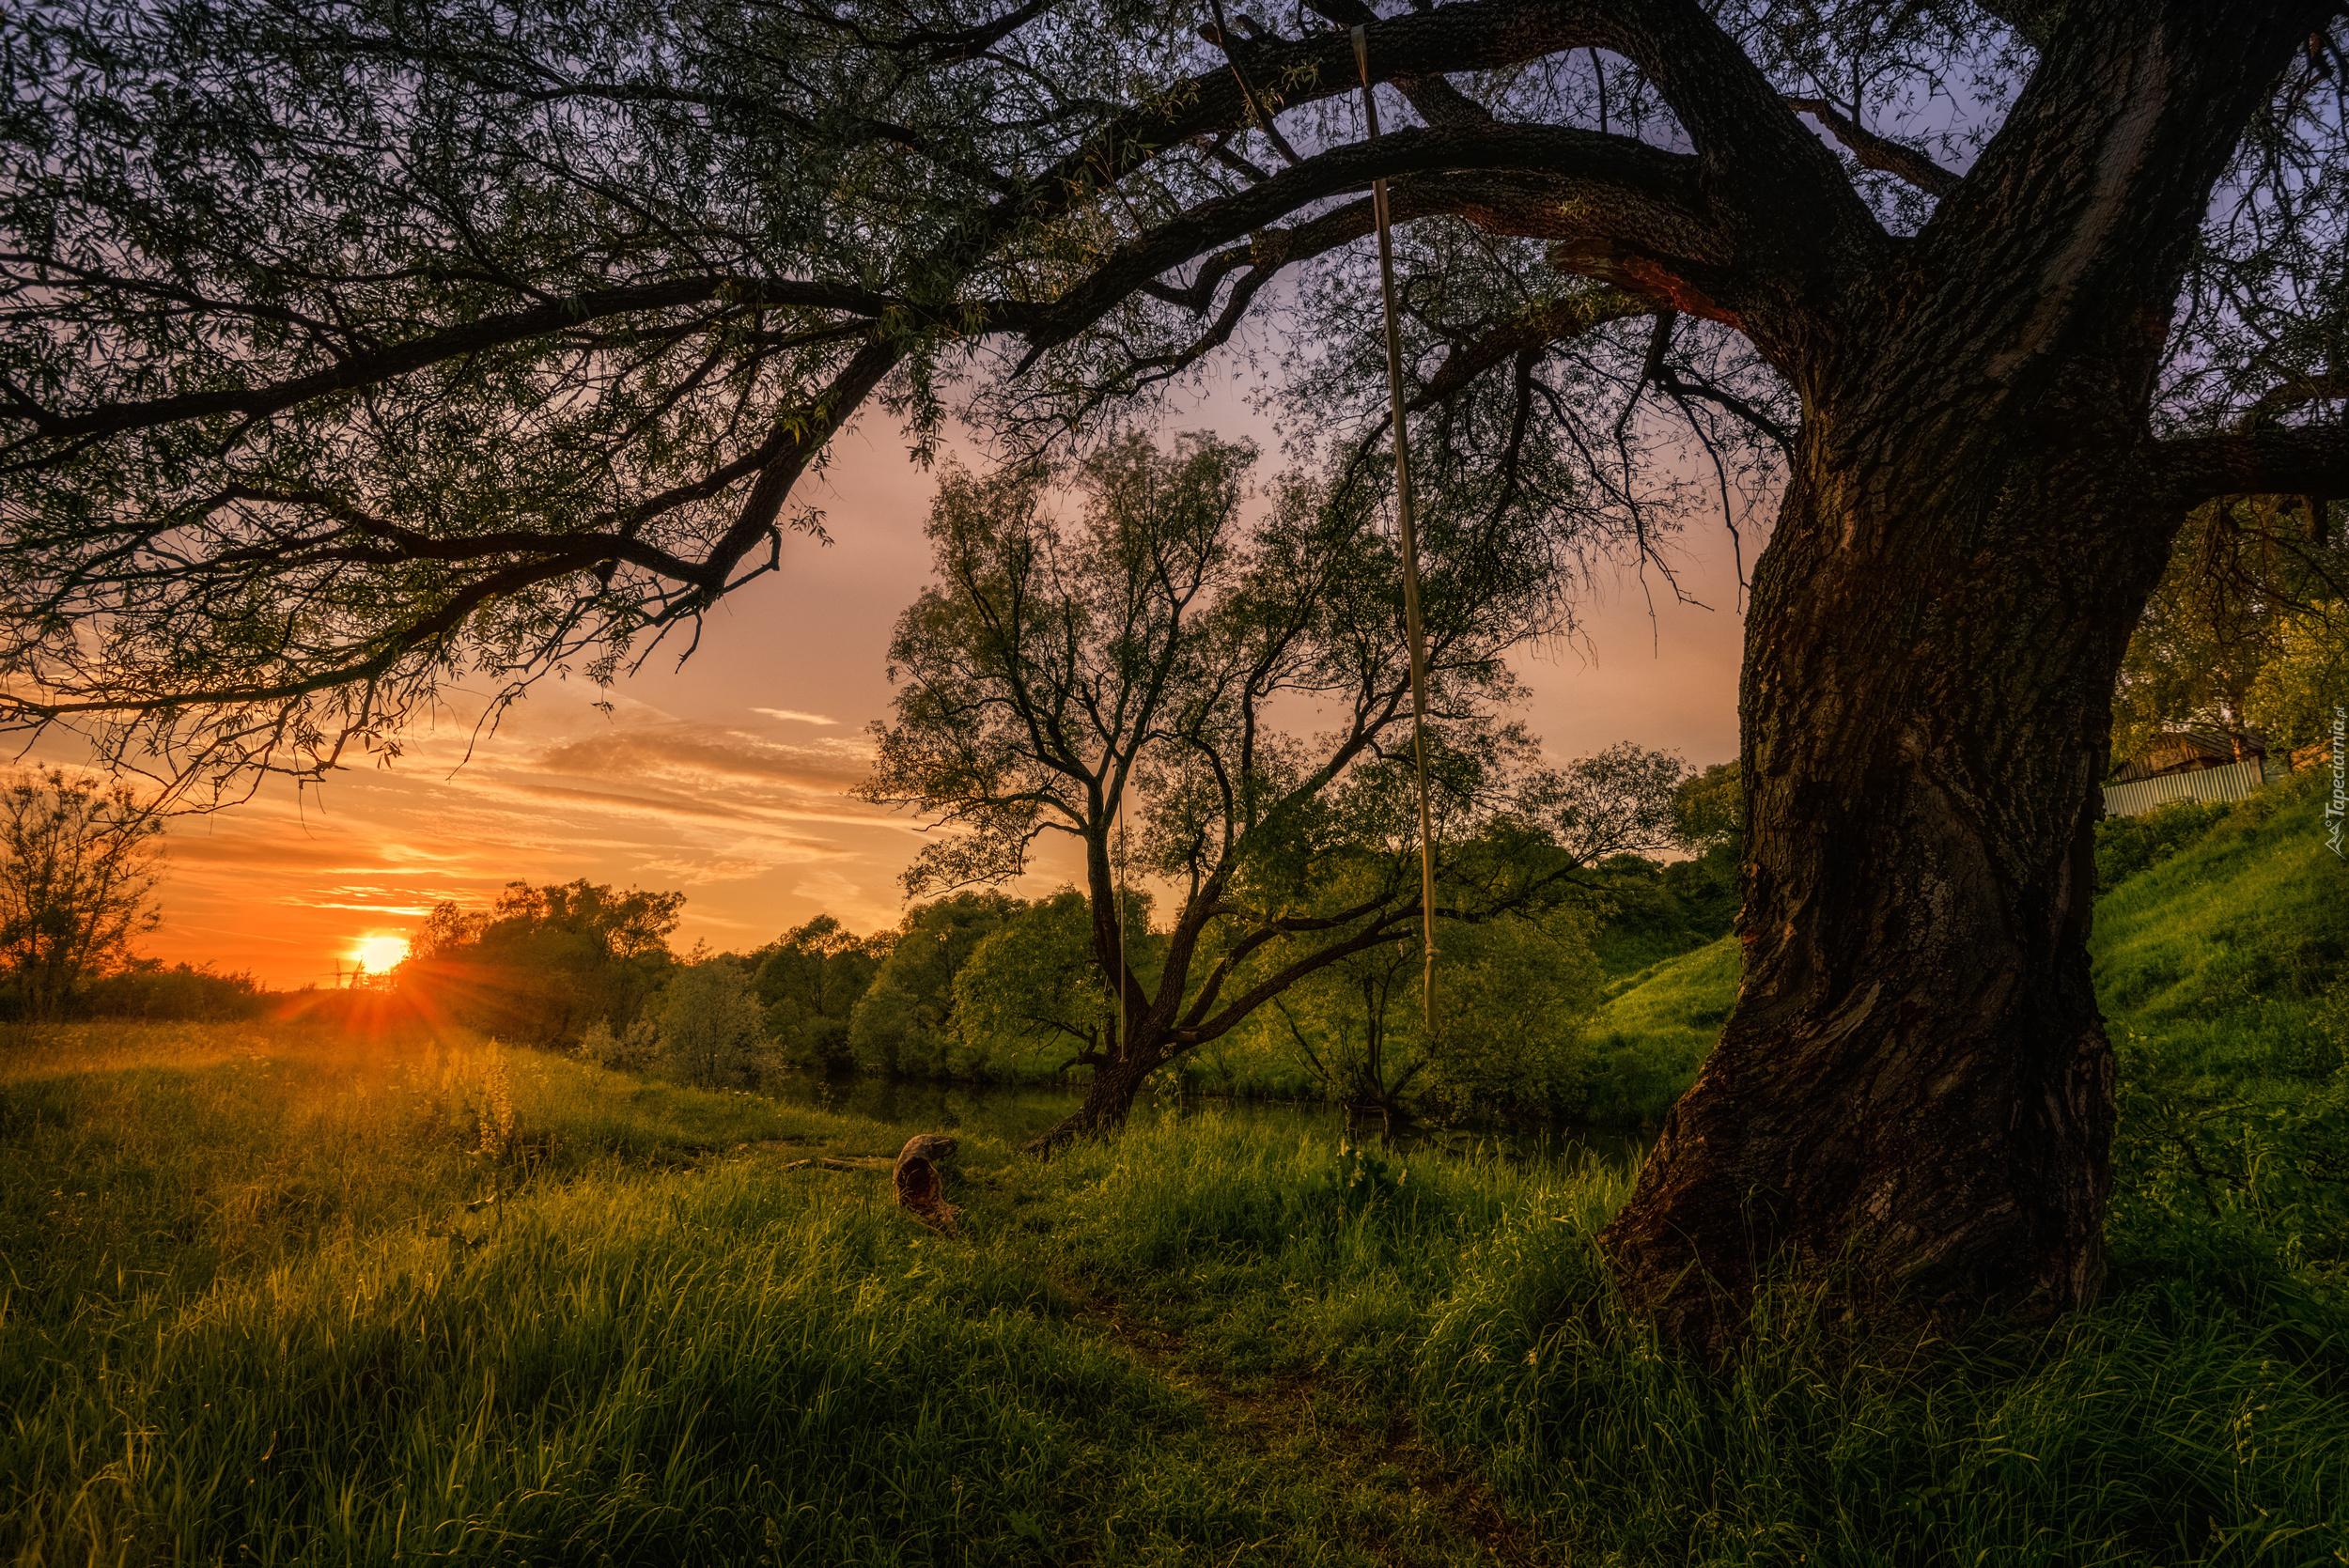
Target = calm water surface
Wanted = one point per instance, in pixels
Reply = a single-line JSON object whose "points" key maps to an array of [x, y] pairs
{"points": [[1017, 1113]]}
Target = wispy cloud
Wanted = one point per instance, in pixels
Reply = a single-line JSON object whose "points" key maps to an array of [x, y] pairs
{"points": [[699, 754], [793, 716], [690, 872], [762, 831]]}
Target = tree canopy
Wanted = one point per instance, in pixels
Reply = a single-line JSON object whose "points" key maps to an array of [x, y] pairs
{"points": [[2247, 630], [1126, 670], [350, 348]]}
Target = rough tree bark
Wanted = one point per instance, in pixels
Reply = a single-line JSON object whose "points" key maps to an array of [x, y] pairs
{"points": [[1914, 1091]]}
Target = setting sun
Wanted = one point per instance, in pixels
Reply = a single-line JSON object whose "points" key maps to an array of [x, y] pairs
{"points": [[379, 954]]}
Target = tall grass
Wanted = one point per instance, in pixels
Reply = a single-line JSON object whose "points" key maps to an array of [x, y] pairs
{"points": [[2180, 1423], [673, 1370], [309, 1306], [440, 1301]]}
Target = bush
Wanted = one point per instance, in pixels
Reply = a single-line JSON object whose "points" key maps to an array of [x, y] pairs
{"points": [[2128, 845]]}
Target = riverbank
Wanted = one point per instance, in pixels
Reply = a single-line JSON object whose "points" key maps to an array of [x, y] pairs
{"points": [[285, 1295], [1015, 1113]]}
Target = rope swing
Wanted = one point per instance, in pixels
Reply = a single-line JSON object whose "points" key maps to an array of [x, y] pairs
{"points": [[1412, 628]]}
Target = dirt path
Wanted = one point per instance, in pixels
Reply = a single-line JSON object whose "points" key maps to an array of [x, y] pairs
{"points": [[1297, 1421]]}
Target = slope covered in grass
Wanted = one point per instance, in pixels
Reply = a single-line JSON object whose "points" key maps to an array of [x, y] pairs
{"points": [[460, 1304], [2221, 959], [2218, 956], [1655, 1028]]}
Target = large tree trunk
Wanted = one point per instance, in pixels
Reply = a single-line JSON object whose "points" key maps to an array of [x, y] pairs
{"points": [[1913, 1096], [1912, 1099]]}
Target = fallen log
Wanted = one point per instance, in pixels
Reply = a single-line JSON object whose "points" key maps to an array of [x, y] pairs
{"points": [[921, 1191], [914, 1175]]}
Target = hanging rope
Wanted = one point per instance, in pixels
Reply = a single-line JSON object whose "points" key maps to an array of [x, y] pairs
{"points": [[1117, 872], [1411, 626]]}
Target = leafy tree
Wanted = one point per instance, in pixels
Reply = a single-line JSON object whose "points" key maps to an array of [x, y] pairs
{"points": [[1709, 809], [542, 964], [1342, 1022], [1511, 1004], [2294, 697], [385, 344], [1035, 983], [1142, 652], [904, 1021], [633, 925], [810, 983], [78, 869], [709, 1026], [2249, 588], [1512, 1014]]}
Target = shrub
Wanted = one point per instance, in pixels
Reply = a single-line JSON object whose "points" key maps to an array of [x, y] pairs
{"points": [[2128, 845], [635, 1046], [184, 993]]}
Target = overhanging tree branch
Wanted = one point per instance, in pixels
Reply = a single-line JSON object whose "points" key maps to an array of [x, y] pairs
{"points": [[2306, 460]]}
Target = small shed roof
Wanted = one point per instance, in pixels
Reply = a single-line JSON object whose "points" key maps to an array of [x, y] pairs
{"points": [[2181, 751]]}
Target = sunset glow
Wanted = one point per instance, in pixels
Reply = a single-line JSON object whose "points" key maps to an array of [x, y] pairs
{"points": [[378, 952], [727, 779]]}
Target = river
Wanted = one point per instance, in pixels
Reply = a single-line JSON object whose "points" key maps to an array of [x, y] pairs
{"points": [[1017, 1113]]}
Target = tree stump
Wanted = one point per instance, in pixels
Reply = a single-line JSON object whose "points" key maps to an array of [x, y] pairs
{"points": [[920, 1190]]}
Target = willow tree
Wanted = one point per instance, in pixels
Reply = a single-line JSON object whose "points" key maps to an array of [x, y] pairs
{"points": [[351, 346], [1124, 671]]}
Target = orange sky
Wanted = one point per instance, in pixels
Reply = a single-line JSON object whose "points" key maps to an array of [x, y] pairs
{"points": [[727, 779]]}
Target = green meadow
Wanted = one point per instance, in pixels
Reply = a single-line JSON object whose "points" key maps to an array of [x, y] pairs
{"points": [[282, 1293]]}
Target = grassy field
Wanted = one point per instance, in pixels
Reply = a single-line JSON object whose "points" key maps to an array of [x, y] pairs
{"points": [[2216, 967], [1655, 1028], [276, 1295]]}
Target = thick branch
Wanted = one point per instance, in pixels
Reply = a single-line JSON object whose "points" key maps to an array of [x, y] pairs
{"points": [[1438, 102], [434, 347], [1605, 187], [2308, 460], [1877, 152], [1791, 208]]}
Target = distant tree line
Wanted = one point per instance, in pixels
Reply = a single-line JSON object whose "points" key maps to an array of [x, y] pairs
{"points": [[982, 985]]}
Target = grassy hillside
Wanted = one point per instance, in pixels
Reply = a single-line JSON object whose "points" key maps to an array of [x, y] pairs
{"points": [[2217, 956], [2219, 959], [288, 1296], [1655, 1028]]}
